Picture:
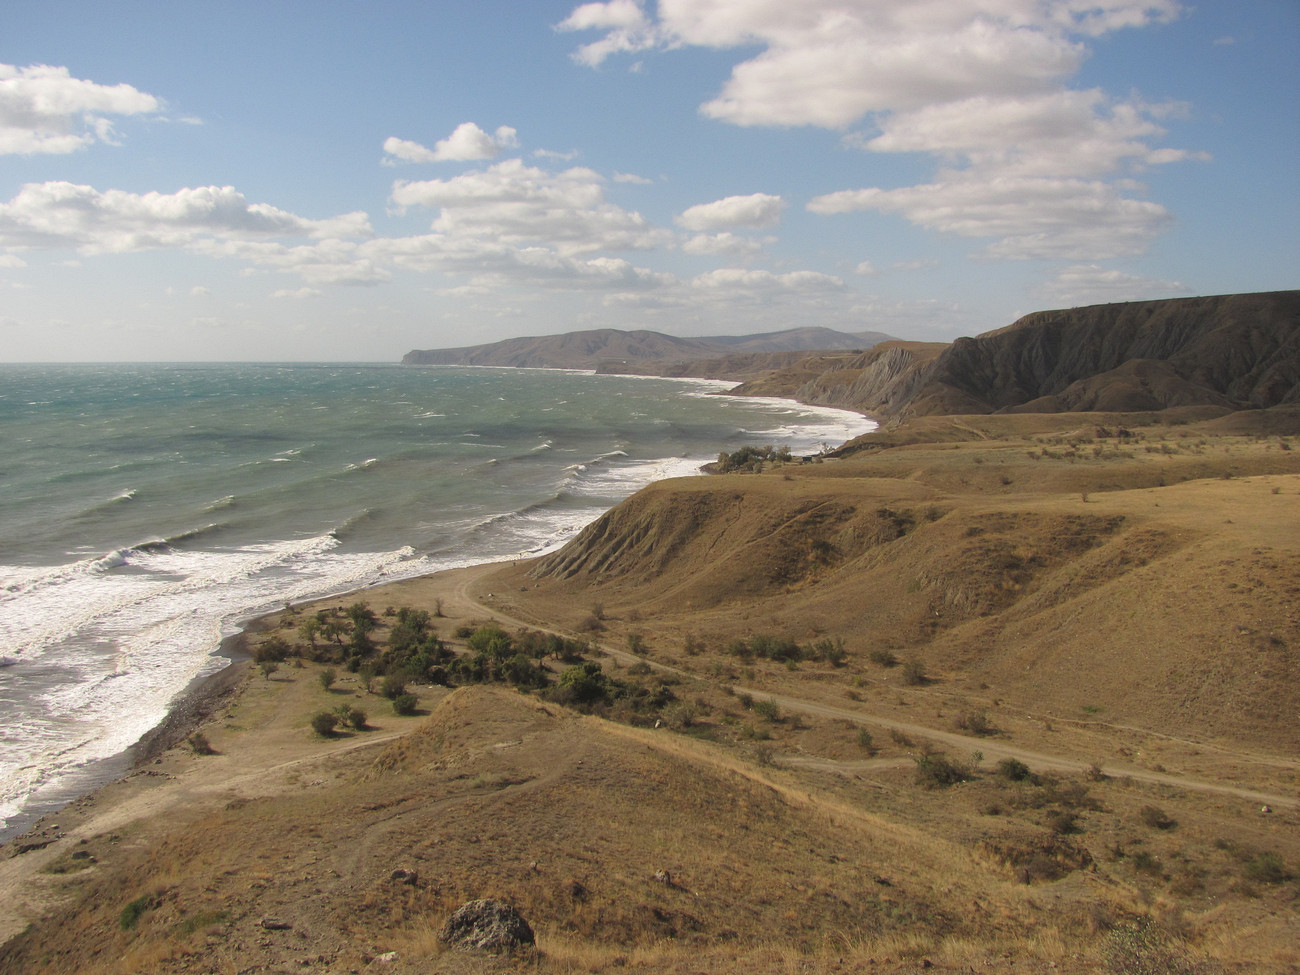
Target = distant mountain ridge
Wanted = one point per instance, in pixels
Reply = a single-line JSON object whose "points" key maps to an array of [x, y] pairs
{"points": [[608, 348]]}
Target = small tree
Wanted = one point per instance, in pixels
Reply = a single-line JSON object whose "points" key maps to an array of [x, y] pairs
{"points": [[366, 677], [309, 629], [405, 704], [326, 678], [356, 719], [324, 723], [268, 667]]}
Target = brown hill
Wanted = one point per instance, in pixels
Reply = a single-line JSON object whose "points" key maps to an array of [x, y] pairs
{"points": [[930, 547]]}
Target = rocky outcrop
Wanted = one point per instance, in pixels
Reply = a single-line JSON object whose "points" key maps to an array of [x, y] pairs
{"points": [[487, 925]]}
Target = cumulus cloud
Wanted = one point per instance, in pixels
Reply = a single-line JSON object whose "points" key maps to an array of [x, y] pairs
{"points": [[633, 179], [1086, 284], [980, 86], [755, 210], [297, 293], [516, 204], [466, 144], [1059, 133], [1033, 216], [62, 214], [626, 26], [44, 109]]}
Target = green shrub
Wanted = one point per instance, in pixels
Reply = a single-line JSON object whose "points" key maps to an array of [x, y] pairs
{"points": [[324, 723], [405, 704], [934, 770], [130, 915], [272, 648], [775, 648], [356, 719], [976, 722], [584, 684], [1266, 868], [767, 710], [326, 678], [829, 651], [393, 686], [865, 741], [913, 672], [199, 744], [885, 658], [1013, 769], [679, 715], [1155, 817], [493, 641]]}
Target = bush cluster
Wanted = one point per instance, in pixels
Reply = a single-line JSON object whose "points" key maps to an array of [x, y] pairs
{"points": [[783, 649], [751, 459]]}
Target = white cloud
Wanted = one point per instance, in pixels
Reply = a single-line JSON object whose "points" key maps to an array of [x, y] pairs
{"points": [[12, 261], [627, 26], [518, 204], [568, 156], [44, 109], [199, 291], [1059, 133], [297, 293], [742, 280], [1086, 284], [1033, 216], [466, 144], [633, 179], [725, 243], [61, 214], [755, 210], [866, 269], [978, 85]]}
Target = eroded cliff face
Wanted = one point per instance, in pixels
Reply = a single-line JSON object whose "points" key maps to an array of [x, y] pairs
{"points": [[1238, 351], [1232, 351]]}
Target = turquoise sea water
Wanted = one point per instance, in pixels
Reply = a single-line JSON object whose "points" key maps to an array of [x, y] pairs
{"points": [[146, 510]]}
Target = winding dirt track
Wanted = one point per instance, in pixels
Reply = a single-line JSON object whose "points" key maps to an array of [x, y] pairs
{"points": [[994, 750]]}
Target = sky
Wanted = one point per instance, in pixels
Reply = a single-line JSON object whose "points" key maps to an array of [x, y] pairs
{"points": [[345, 181]]}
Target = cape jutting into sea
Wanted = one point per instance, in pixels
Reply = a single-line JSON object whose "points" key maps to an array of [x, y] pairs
{"points": [[146, 510]]}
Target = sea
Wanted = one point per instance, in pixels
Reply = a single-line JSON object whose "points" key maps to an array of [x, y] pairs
{"points": [[146, 511]]}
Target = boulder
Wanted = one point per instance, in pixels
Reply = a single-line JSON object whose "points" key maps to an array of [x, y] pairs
{"points": [[486, 925]]}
